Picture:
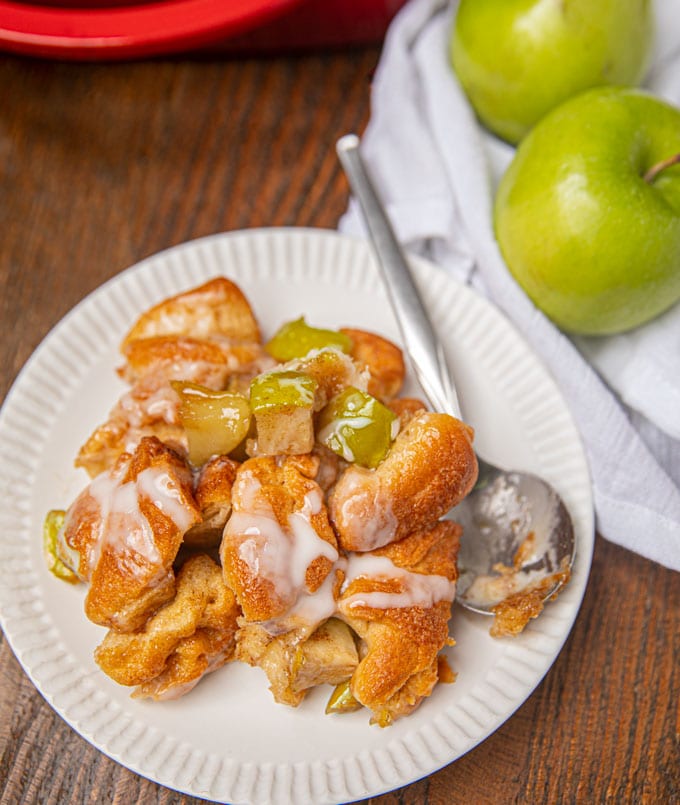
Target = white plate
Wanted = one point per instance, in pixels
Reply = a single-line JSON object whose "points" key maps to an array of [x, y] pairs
{"points": [[228, 740]]}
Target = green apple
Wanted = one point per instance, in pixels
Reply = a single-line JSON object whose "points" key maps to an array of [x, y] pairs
{"points": [[517, 59], [587, 215]]}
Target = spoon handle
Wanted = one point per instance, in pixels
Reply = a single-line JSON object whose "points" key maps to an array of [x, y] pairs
{"points": [[422, 345]]}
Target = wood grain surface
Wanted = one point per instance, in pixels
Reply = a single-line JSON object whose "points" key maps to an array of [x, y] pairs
{"points": [[102, 165]]}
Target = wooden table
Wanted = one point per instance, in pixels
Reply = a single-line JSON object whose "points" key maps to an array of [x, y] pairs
{"points": [[103, 165]]}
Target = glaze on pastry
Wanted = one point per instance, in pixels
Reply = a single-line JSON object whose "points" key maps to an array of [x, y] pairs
{"points": [[300, 549]]}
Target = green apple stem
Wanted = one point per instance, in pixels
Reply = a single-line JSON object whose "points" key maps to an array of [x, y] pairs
{"points": [[655, 170]]}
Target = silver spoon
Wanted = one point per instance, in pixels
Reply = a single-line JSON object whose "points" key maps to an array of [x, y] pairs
{"points": [[517, 530]]}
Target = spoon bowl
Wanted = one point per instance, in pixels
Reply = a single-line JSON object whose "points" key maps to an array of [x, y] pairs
{"points": [[517, 532]]}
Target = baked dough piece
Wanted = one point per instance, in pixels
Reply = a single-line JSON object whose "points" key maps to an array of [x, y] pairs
{"points": [[331, 466], [278, 546], [301, 658], [207, 335], [406, 408], [278, 555], [208, 361], [150, 408], [213, 495], [430, 468], [383, 359], [122, 534], [398, 600], [216, 307], [188, 637], [333, 371]]}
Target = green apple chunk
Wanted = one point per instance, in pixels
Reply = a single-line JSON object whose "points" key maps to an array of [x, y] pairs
{"points": [[215, 422], [357, 427], [341, 700], [283, 406], [587, 215], [53, 523], [518, 59], [297, 339]]}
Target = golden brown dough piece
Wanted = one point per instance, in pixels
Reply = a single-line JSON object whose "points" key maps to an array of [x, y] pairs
{"points": [[334, 371], [217, 307], [287, 427], [208, 361], [429, 469], [150, 408], [213, 496], [296, 661], [406, 408], [512, 614], [278, 553], [384, 360], [187, 638], [123, 532], [207, 335], [278, 546], [331, 465], [398, 600]]}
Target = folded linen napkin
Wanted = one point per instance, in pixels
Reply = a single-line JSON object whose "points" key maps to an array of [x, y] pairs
{"points": [[437, 170]]}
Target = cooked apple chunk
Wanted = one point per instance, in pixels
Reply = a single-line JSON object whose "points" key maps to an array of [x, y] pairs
{"points": [[342, 700], [215, 421], [295, 339], [357, 427], [293, 665], [283, 405], [53, 523], [328, 657]]}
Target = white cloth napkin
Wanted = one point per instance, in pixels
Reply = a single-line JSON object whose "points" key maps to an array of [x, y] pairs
{"points": [[437, 171]]}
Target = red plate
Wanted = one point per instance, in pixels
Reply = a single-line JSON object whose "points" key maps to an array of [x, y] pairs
{"points": [[94, 31], [120, 29]]}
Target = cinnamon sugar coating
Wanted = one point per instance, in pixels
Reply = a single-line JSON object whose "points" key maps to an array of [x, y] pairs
{"points": [[383, 359], [402, 642], [267, 492], [189, 636], [429, 469], [124, 531]]}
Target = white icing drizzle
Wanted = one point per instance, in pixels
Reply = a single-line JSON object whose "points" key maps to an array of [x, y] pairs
{"points": [[122, 526], [281, 554], [310, 609], [142, 406], [337, 432], [299, 385], [165, 494], [417, 589], [362, 493]]}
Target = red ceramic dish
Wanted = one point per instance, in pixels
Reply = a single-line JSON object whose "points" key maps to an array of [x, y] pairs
{"points": [[93, 31], [120, 29]]}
